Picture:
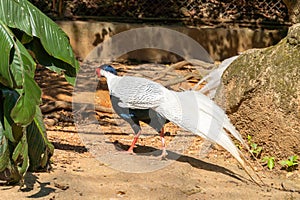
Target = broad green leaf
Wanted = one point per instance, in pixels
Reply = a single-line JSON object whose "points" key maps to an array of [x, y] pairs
{"points": [[9, 99], [24, 110], [50, 62], [4, 151], [34, 23], [33, 147], [20, 154], [39, 147], [23, 15], [15, 60], [8, 132], [26, 33], [21, 71], [6, 43], [22, 63], [8, 171]]}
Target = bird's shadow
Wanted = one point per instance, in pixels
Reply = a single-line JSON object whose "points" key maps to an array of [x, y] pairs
{"points": [[194, 162]]}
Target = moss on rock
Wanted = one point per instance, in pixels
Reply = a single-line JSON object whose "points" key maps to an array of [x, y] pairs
{"points": [[261, 92]]}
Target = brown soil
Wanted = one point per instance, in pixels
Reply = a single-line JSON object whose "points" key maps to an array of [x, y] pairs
{"points": [[271, 129], [77, 174]]}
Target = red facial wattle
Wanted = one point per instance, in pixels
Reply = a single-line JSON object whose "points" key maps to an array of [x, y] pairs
{"points": [[98, 72]]}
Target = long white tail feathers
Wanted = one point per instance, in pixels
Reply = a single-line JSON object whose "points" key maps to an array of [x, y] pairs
{"points": [[208, 106], [200, 115], [213, 79]]}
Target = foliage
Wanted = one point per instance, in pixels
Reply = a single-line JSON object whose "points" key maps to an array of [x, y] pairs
{"points": [[27, 37], [290, 164], [270, 162], [255, 149]]}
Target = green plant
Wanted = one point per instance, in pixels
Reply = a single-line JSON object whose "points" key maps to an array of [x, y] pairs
{"points": [[270, 162], [290, 164], [27, 38], [254, 148]]}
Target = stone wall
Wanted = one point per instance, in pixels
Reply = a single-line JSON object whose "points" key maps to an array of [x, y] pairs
{"points": [[219, 42]]}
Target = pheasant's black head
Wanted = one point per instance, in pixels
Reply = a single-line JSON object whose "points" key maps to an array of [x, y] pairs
{"points": [[108, 68]]}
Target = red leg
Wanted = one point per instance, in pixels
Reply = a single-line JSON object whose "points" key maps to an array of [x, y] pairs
{"points": [[136, 137], [162, 138]]}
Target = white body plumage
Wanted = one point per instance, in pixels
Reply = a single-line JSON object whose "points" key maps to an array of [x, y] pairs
{"points": [[190, 110]]}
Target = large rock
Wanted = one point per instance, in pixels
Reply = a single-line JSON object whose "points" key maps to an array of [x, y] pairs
{"points": [[261, 93]]}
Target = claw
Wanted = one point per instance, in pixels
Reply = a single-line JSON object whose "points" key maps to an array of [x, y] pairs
{"points": [[129, 152], [164, 155]]}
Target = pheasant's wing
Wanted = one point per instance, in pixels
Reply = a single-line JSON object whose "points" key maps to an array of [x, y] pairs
{"points": [[137, 93]]}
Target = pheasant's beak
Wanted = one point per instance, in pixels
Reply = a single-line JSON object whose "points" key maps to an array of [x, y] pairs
{"points": [[98, 72]]}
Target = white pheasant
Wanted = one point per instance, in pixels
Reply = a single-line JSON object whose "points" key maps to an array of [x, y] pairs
{"points": [[189, 110]]}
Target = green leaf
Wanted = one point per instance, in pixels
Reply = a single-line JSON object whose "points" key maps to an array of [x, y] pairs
{"points": [[258, 150], [294, 158], [24, 110], [29, 147], [8, 171], [249, 138], [9, 99], [283, 162], [271, 163], [292, 161], [4, 151], [40, 149], [26, 39], [22, 132], [6, 43], [23, 15], [21, 73], [254, 146], [15, 60], [52, 63], [35, 24], [20, 155], [22, 63]]}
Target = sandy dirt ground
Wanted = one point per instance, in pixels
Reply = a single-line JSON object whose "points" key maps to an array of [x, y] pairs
{"points": [[76, 174]]}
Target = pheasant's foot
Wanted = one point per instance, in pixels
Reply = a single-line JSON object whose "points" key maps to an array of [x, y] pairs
{"points": [[164, 155]]}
